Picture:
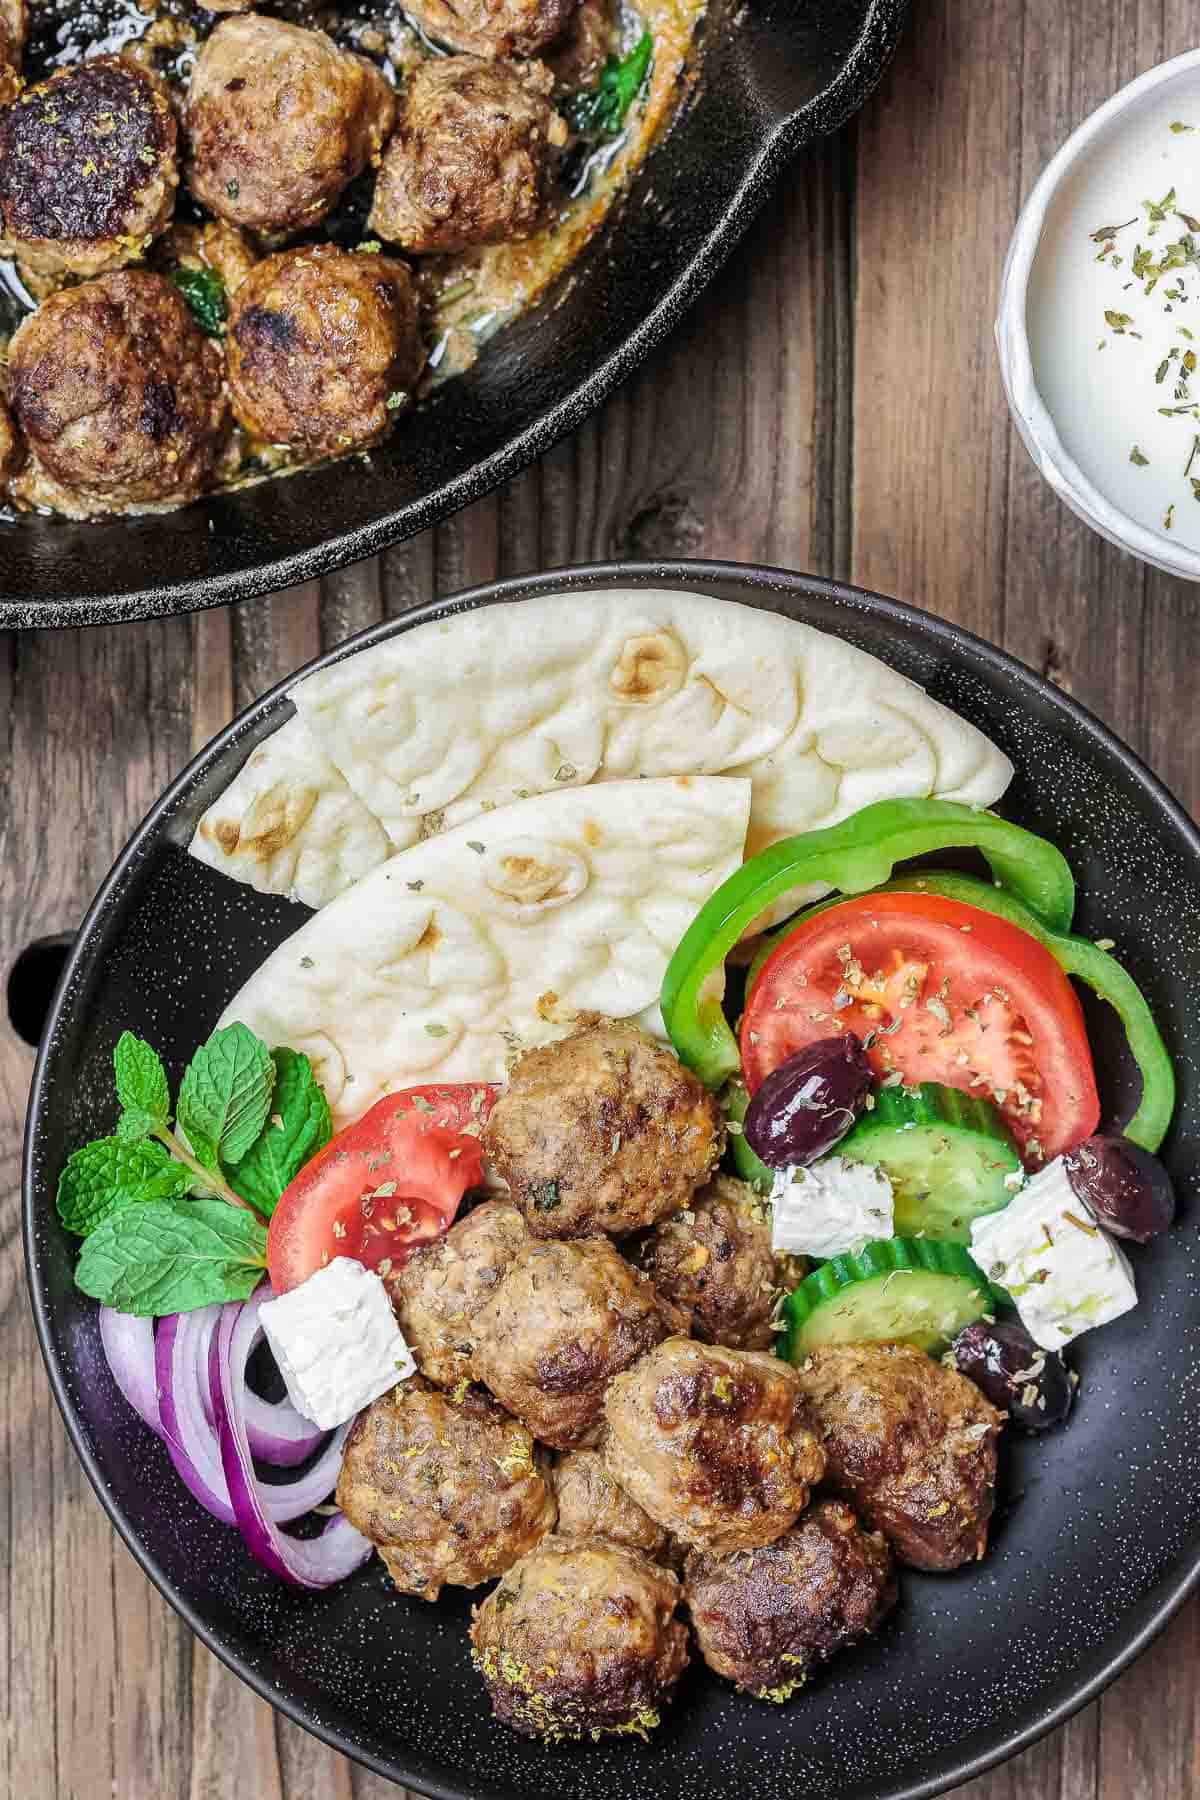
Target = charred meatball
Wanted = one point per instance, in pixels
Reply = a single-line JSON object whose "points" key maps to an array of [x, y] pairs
{"points": [[715, 1258], [119, 396], [447, 1492], [279, 120], [603, 1131], [439, 1291], [494, 27], [590, 1504], [764, 1617], [910, 1444], [580, 1638], [713, 1444], [563, 1321], [473, 158], [87, 168], [323, 348]]}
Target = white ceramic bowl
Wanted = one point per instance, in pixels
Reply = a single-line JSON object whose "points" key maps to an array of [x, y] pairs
{"points": [[1033, 420]]}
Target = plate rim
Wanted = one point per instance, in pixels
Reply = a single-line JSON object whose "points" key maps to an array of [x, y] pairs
{"points": [[1155, 1609]]}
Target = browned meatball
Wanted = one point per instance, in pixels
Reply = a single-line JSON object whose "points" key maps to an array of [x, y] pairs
{"points": [[603, 1131], [563, 1321], [119, 396], [323, 348], [447, 1491], [87, 168], [493, 27], [580, 1638], [590, 1504], [764, 1617], [910, 1444], [715, 1258], [473, 159], [712, 1443], [279, 120], [439, 1291]]}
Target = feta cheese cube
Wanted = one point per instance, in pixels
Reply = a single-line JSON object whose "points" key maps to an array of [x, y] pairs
{"points": [[830, 1207], [1064, 1273], [336, 1341]]}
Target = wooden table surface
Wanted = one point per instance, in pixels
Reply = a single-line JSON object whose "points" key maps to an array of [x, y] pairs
{"points": [[833, 405]]}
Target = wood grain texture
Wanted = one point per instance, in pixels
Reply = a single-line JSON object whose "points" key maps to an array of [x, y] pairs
{"points": [[833, 404]]}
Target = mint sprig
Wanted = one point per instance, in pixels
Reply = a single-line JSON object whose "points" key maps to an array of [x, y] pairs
{"points": [[169, 1256], [246, 1123]]}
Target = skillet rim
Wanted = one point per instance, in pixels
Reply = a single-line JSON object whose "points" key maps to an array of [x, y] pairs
{"points": [[1166, 1597], [783, 138]]}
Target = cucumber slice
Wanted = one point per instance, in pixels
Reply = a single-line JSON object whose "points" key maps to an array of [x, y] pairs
{"points": [[895, 1290], [947, 1155]]}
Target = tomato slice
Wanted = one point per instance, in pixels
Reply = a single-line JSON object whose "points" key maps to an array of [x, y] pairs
{"points": [[940, 991], [384, 1185]]}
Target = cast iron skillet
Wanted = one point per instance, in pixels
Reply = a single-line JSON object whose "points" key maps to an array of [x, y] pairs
{"points": [[1098, 1534], [789, 71]]}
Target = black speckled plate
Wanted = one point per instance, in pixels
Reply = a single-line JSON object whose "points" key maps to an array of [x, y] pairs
{"points": [[1098, 1535], [772, 76]]}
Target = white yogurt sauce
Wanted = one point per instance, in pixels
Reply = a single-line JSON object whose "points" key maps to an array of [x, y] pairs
{"points": [[1103, 380]]}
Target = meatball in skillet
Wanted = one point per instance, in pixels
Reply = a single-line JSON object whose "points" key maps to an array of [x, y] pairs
{"points": [[447, 1493], [473, 159], [590, 1504], [439, 1291], [119, 396], [323, 348], [12, 452], [87, 168], [713, 1444], [910, 1444], [580, 1638], [564, 1319], [14, 25], [579, 55], [764, 1617], [715, 1259], [279, 120], [493, 27], [602, 1131]]}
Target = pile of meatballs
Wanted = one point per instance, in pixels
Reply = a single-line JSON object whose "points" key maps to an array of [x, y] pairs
{"points": [[117, 401], [597, 1421]]}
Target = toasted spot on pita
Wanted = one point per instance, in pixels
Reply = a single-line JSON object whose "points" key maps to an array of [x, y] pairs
{"points": [[650, 668], [592, 833], [223, 832], [430, 938]]}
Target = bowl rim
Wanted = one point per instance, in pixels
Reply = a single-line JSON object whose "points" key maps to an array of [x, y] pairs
{"points": [[781, 138], [1155, 1609], [1031, 416]]}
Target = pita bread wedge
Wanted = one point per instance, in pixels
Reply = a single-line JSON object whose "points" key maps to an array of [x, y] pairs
{"points": [[433, 726], [289, 823], [494, 935]]}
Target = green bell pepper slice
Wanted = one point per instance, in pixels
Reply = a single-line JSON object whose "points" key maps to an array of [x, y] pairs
{"points": [[1078, 957], [853, 857], [735, 1100]]}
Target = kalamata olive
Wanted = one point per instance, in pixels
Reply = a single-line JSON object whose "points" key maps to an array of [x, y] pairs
{"points": [[808, 1104], [1033, 1386], [1128, 1189]]}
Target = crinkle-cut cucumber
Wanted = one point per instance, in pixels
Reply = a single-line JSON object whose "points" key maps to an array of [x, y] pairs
{"points": [[895, 1290], [948, 1156]]}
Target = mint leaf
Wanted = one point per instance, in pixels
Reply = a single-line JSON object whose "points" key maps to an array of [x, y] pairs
{"points": [[141, 1085], [226, 1095], [113, 1173], [298, 1127], [170, 1256]]}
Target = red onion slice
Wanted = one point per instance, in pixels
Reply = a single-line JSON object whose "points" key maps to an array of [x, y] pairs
{"points": [[182, 1350], [316, 1563], [129, 1347]]}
